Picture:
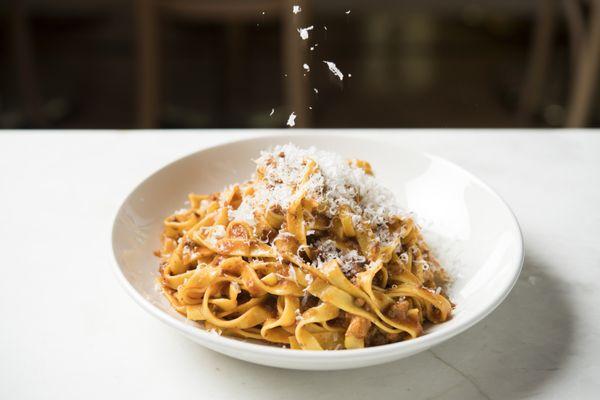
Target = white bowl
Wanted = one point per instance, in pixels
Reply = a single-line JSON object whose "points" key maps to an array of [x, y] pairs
{"points": [[469, 227]]}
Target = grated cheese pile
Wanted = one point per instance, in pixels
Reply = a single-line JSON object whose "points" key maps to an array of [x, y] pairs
{"points": [[335, 183]]}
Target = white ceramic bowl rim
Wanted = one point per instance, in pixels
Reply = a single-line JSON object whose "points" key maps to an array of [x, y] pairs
{"points": [[425, 341]]}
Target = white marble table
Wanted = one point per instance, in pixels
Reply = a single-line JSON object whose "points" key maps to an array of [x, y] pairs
{"points": [[68, 331]]}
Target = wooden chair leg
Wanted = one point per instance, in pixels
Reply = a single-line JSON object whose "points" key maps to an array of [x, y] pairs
{"points": [[147, 47], [233, 74], [296, 85], [539, 58], [585, 80], [25, 64], [576, 31]]}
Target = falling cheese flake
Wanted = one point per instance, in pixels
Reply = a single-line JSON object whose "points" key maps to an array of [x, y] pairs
{"points": [[334, 69], [264, 12], [347, 12], [325, 26], [304, 31], [316, 90], [306, 67], [296, 9], [292, 119], [272, 112], [312, 48], [349, 75]]}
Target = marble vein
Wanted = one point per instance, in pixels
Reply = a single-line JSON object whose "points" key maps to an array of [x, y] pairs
{"points": [[461, 373]]}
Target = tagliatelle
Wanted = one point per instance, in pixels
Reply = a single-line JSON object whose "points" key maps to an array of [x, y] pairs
{"points": [[311, 254]]}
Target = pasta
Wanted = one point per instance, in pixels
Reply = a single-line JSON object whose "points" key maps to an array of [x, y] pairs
{"points": [[311, 254]]}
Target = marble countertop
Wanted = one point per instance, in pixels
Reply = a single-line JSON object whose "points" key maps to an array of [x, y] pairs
{"points": [[68, 331]]}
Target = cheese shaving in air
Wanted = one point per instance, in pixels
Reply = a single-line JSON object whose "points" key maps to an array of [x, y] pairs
{"points": [[292, 119], [334, 69], [304, 31]]}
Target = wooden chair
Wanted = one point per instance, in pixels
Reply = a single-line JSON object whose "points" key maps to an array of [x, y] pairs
{"points": [[585, 54], [148, 17], [35, 111], [584, 49], [24, 58], [539, 59]]}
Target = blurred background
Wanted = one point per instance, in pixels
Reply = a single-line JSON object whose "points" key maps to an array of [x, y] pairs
{"points": [[239, 63]]}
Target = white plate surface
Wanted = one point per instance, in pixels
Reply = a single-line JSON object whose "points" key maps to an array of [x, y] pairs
{"points": [[469, 227]]}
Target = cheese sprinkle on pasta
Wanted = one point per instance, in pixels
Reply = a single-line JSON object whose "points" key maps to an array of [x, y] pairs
{"points": [[311, 253]]}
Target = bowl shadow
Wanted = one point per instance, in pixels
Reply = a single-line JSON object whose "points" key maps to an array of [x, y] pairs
{"points": [[510, 354]]}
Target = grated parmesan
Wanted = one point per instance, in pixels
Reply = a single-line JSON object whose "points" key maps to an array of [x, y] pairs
{"points": [[334, 183], [245, 213], [349, 260], [308, 278], [218, 231], [292, 274]]}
